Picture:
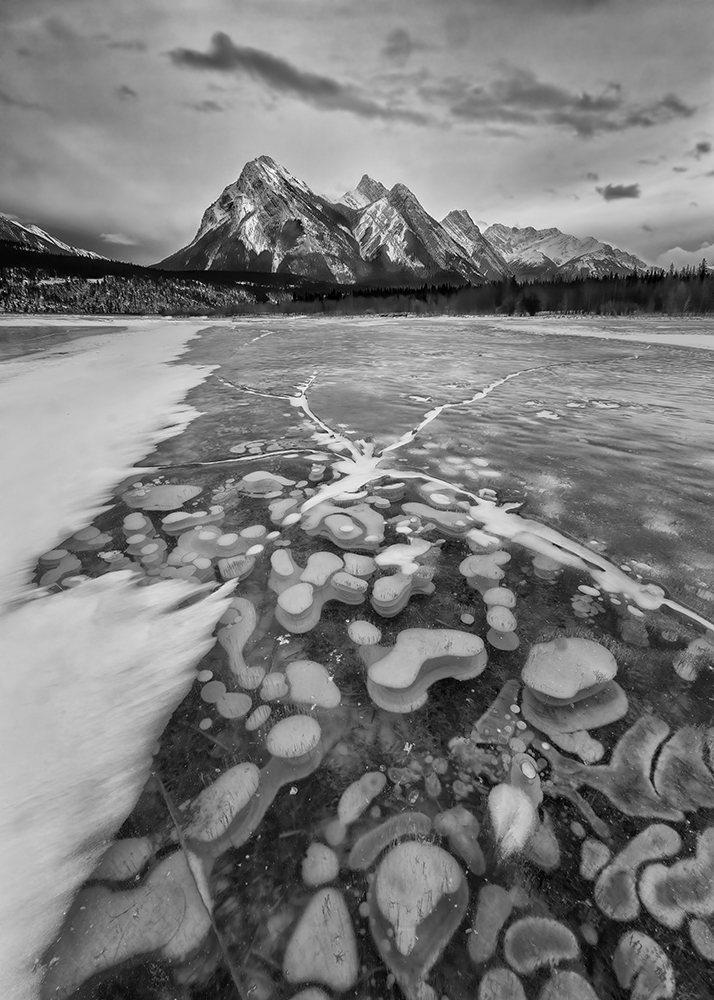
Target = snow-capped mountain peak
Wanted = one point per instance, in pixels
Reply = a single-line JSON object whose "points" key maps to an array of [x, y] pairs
{"points": [[544, 252], [33, 238], [269, 220], [367, 191]]}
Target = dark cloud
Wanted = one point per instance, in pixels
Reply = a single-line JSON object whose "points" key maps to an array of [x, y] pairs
{"points": [[126, 93], [523, 99], [612, 192], [680, 170], [592, 176], [282, 77], [701, 149], [18, 102], [648, 229], [207, 107], [400, 45], [60, 29]]}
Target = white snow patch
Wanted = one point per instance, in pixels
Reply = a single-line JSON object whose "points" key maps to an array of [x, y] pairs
{"points": [[91, 675], [72, 427]]}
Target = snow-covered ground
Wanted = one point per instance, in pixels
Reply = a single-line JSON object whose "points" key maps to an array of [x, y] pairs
{"points": [[90, 676]]}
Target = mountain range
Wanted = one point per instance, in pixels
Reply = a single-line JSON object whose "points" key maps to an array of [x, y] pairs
{"points": [[34, 238], [270, 221]]}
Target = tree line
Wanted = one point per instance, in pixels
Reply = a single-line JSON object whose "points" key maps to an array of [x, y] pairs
{"points": [[688, 291]]}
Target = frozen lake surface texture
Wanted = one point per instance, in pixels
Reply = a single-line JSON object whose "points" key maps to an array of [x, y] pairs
{"points": [[358, 659]]}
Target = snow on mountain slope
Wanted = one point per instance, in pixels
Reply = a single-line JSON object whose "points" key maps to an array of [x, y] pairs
{"points": [[464, 231], [397, 231], [384, 234], [34, 238], [367, 191], [269, 220], [546, 252], [446, 254]]}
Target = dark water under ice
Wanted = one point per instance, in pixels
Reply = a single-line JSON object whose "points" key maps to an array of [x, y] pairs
{"points": [[610, 444]]}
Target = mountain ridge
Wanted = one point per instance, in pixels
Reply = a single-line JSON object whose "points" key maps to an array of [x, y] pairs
{"points": [[33, 238], [270, 220]]}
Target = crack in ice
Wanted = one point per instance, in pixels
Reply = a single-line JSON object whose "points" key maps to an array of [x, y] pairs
{"points": [[366, 466]]}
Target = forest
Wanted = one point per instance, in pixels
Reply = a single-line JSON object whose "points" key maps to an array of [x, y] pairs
{"points": [[44, 283]]}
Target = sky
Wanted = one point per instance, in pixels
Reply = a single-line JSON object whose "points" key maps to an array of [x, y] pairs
{"points": [[120, 122]]}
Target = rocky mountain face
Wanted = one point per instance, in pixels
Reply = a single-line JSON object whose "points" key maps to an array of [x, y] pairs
{"points": [[269, 220], [364, 194], [34, 238], [545, 253], [484, 256], [397, 235]]}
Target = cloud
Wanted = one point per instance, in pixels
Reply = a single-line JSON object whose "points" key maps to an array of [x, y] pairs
{"points": [[125, 93], [700, 149], [119, 239], [592, 176], [18, 102], [400, 45], [130, 45], [60, 29], [612, 192], [206, 107], [282, 77], [648, 229], [521, 98]]}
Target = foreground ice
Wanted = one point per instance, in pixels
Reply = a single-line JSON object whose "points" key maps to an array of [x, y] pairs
{"points": [[90, 676]]}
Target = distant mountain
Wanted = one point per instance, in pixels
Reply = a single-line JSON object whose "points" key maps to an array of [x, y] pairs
{"points": [[34, 238], [268, 220], [545, 253]]}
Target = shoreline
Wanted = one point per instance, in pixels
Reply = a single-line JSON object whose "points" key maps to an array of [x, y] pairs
{"points": [[551, 324]]}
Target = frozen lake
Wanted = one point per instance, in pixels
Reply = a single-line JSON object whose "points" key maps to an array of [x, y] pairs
{"points": [[331, 811]]}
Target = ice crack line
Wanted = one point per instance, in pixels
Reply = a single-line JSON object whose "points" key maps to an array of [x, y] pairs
{"points": [[365, 467], [300, 401], [481, 394]]}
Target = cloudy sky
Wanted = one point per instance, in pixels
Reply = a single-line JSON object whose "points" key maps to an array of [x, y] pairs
{"points": [[121, 121]]}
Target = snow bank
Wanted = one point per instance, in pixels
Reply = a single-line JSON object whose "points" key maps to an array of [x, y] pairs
{"points": [[72, 427], [90, 676]]}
